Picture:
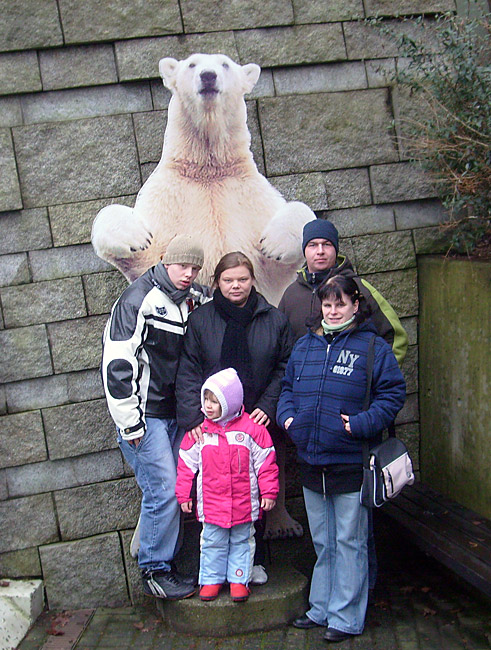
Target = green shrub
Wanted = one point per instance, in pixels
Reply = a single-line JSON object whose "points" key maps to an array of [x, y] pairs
{"points": [[446, 67]]}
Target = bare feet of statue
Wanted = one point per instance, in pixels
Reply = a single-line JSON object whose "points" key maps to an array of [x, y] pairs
{"points": [[279, 524]]}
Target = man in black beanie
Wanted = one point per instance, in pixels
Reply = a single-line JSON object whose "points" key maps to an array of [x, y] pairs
{"points": [[320, 245]]}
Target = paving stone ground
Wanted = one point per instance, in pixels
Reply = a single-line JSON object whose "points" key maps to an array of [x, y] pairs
{"points": [[418, 606]]}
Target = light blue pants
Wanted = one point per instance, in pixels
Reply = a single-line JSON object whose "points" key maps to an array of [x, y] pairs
{"points": [[339, 587], [154, 462], [226, 554]]}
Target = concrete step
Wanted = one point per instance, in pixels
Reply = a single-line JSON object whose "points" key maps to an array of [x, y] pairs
{"points": [[21, 602], [278, 602]]}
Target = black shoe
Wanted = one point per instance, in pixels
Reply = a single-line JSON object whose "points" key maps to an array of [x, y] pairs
{"points": [[305, 623], [333, 636], [184, 578], [165, 584]]}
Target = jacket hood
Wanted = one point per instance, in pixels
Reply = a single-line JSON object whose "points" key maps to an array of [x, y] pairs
{"points": [[227, 388]]}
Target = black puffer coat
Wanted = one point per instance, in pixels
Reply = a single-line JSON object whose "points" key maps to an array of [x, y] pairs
{"points": [[270, 340]]}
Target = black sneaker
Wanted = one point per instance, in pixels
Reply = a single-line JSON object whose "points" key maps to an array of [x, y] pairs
{"points": [[165, 584]]}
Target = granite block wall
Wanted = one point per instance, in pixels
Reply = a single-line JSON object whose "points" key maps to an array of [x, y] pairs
{"points": [[82, 117]]}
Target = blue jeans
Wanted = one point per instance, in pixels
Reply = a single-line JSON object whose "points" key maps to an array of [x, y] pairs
{"points": [[226, 554], [339, 587], [154, 462]]}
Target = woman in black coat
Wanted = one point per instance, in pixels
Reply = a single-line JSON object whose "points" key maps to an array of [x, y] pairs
{"points": [[238, 328]]}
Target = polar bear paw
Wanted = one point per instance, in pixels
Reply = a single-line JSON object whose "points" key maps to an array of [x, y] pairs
{"points": [[118, 234], [281, 240]]}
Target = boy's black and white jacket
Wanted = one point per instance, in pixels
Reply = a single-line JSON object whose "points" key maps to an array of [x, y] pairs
{"points": [[142, 343]]}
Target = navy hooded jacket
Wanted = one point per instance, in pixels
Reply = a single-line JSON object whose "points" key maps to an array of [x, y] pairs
{"points": [[323, 380]]}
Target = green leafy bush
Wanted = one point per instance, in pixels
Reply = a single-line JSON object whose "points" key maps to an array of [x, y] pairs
{"points": [[446, 68]]}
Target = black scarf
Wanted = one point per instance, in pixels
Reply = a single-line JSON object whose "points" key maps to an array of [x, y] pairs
{"points": [[235, 349]]}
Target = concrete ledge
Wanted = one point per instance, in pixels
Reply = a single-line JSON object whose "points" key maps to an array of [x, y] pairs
{"points": [[21, 602], [272, 605]]}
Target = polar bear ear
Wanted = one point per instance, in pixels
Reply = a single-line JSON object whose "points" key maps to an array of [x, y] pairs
{"points": [[251, 75], [168, 69]]}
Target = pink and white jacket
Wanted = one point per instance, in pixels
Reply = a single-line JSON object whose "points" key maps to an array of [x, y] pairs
{"points": [[236, 465]]}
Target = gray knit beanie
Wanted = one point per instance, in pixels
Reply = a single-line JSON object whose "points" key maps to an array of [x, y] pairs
{"points": [[183, 249]]}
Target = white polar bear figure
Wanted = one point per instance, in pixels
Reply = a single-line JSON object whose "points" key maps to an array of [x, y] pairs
{"points": [[207, 184]]}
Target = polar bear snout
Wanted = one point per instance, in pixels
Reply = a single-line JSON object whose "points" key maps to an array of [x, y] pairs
{"points": [[208, 82]]}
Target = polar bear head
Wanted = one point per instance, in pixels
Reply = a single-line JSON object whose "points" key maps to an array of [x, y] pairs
{"points": [[205, 80]]}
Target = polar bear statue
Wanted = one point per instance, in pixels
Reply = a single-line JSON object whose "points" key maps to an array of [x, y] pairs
{"points": [[207, 184]]}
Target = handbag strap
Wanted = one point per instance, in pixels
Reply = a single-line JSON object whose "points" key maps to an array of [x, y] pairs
{"points": [[366, 401]]}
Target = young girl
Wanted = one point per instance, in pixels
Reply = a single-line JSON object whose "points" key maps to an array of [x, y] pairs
{"points": [[238, 477]]}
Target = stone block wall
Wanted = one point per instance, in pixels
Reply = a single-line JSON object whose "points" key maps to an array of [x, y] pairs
{"points": [[82, 117]]}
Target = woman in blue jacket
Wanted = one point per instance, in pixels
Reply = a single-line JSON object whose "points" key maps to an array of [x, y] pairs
{"points": [[321, 407]]}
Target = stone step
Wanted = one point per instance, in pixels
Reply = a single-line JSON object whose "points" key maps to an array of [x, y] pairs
{"points": [[278, 602], [21, 602]]}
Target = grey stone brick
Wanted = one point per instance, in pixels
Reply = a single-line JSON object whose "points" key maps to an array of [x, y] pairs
{"points": [[410, 410], [411, 326], [78, 429], [76, 344], [400, 288], [146, 170], [308, 188], [3, 485], [3, 401], [113, 505], [384, 252], [410, 369], [407, 7], [347, 188], [409, 434], [264, 87], [346, 248], [400, 182], [149, 130], [102, 290], [160, 95], [62, 262], [61, 105], [139, 58], [133, 573], [10, 198], [20, 564], [209, 15], [329, 77], [43, 302], [295, 45], [407, 109], [25, 230], [431, 241], [85, 573], [332, 131], [380, 72], [418, 214], [85, 385], [10, 111], [82, 65], [256, 137], [28, 25], [362, 221], [307, 11], [25, 353], [27, 522], [364, 41], [22, 439], [37, 393], [14, 269], [71, 223], [60, 474], [118, 19], [19, 73], [76, 161]]}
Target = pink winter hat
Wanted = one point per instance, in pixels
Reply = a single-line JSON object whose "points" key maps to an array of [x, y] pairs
{"points": [[227, 388]]}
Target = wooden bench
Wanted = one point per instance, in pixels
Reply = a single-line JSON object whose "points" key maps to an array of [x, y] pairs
{"points": [[456, 536]]}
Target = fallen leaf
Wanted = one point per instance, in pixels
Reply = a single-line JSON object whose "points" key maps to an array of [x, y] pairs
{"points": [[427, 611], [408, 589], [425, 590], [139, 626], [4, 583], [473, 544]]}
